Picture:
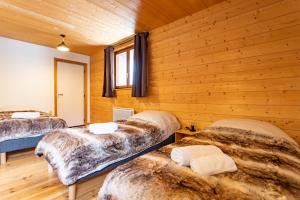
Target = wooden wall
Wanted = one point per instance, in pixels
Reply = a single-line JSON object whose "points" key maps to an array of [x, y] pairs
{"points": [[238, 59]]}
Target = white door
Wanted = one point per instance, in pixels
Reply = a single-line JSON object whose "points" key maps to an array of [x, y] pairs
{"points": [[70, 93]]}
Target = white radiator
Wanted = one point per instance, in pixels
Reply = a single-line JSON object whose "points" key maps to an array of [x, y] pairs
{"points": [[122, 113]]}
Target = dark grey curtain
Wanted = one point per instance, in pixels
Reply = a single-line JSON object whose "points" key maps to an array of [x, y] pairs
{"points": [[140, 68], [108, 82]]}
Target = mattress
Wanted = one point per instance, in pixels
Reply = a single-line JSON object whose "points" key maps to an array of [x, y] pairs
{"points": [[75, 153], [115, 164], [11, 129], [268, 168], [18, 144]]}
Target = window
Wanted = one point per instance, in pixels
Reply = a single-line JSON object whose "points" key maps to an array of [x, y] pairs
{"points": [[124, 67]]}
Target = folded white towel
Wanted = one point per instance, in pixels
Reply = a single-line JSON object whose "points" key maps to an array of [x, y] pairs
{"points": [[213, 164], [183, 155], [103, 128], [25, 115]]}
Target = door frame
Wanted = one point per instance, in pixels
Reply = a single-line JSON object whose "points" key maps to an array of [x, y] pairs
{"points": [[56, 60]]}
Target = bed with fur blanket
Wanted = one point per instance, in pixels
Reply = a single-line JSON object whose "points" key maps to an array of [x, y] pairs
{"points": [[268, 168], [75, 153], [11, 129]]}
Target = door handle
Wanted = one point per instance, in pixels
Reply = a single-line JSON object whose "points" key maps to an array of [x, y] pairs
{"points": [[60, 94]]}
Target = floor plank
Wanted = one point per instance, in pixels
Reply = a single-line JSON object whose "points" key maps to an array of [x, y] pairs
{"points": [[25, 177]]}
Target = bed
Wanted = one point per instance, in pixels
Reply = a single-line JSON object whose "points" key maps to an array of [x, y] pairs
{"points": [[17, 134], [77, 154], [268, 163]]}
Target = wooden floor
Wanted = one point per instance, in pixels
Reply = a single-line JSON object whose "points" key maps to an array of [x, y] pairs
{"points": [[25, 177]]}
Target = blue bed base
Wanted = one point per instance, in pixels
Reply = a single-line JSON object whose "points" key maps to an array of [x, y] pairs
{"points": [[110, 167], [19, 144]]}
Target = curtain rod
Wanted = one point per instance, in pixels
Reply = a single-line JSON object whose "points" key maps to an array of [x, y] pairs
{"points": [[123, 41]]}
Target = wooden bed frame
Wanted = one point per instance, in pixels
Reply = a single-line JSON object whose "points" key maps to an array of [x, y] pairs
{"points": [[3, 158]]}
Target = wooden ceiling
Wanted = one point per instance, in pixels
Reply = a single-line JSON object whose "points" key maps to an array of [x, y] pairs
{"points": [[89, 23]]}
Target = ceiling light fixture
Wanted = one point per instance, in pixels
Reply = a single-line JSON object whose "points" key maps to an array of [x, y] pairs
{"points": [[62, 46]]}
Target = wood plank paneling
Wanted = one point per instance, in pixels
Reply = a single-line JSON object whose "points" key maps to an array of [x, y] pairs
{"points": [[88, 23], [237, 59]]}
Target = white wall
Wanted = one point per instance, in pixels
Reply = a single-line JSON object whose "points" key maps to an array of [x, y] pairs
{"points": [[27, 74]]}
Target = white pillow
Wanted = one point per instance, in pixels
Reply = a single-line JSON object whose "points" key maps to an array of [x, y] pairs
{"points": [[213, 164], [25, 115], [165, 120], [254, 125]]}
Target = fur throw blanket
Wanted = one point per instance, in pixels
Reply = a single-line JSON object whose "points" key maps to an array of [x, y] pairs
{"points": [[268, 168], [75, 153], [22, 128]]}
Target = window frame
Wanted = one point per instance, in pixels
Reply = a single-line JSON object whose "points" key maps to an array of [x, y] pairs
{"points": [[127, 50]]}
